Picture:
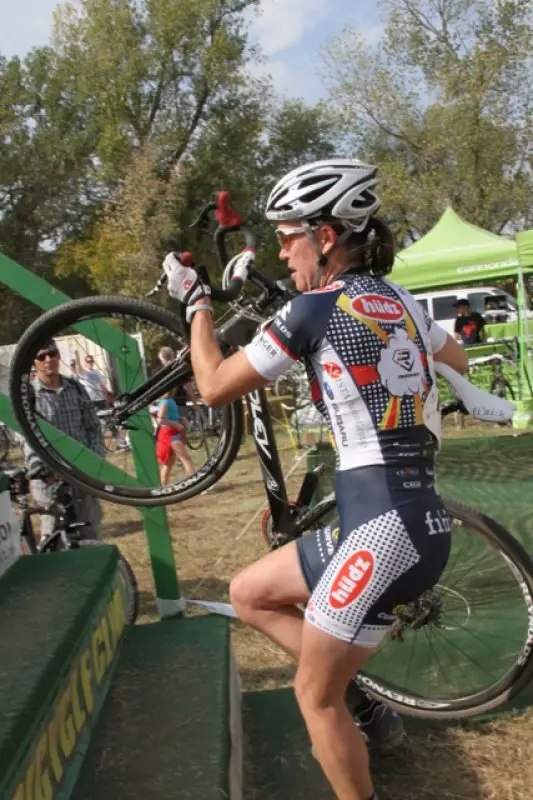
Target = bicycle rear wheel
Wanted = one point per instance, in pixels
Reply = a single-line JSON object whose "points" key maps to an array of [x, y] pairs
{"points": [[123, 335], [476, 652]]}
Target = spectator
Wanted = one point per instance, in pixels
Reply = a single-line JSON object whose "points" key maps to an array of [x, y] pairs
{"points": [[182, 392], [170, 439], [93, 382], [469, 324], [65, 403]]}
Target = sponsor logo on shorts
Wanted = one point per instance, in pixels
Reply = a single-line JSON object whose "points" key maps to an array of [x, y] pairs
{"points": [[408, 472], [332, 369], [379, 307], [439, 522], [352, 579]]}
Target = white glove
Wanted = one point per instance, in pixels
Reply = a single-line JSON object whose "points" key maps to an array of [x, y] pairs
{"points": [[184, 283], [239, 265]]}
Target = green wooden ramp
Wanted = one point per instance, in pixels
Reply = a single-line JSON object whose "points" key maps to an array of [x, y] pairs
{"points": [[165, 731], [61, 622]]}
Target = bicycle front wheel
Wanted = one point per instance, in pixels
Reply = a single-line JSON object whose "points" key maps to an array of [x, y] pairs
{"points": [[474, 652], [123, 337]]}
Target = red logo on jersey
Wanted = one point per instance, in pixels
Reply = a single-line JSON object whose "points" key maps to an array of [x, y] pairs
{"points": [[333, 287], [376, 306], [333, 370], [352, 579]]}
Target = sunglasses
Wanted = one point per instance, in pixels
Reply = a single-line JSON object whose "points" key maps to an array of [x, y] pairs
{"points": [[285, 235], [45, 353]]}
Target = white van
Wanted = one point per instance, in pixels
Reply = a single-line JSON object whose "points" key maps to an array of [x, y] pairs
{"points": [[440, 305]]}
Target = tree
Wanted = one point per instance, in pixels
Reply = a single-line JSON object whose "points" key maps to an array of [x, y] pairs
{"points": [[443, 104]]}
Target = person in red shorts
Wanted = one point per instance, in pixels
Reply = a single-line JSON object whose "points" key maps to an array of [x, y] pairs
{"points": [[170, 439]]}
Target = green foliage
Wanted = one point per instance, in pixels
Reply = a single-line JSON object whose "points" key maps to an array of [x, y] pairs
{"points": [[442, 104]]}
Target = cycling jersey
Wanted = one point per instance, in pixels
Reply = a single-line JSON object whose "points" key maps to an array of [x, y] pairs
{"points": [[367, 346]]}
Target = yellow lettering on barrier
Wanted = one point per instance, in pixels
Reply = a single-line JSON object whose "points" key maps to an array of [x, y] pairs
{"points": [[30, 781], [104, 627], [67, 731], [57, 742], [86, 673], [99, 660], [53, 746], [19, 794], [79, 714], [43, 784]]}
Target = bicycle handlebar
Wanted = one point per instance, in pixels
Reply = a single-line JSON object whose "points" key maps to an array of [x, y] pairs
{"points": [[229, 221]]}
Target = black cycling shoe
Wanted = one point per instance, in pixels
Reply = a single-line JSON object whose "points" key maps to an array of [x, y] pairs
{"points": [[381, 726]]}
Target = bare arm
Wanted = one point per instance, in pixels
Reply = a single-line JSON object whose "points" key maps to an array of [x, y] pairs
{"points": [[220, 380], [452, 354]]}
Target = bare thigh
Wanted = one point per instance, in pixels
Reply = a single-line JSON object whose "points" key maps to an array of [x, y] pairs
{"points": [[273, 581]]}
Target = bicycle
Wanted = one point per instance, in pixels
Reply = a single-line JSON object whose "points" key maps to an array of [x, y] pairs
{"points": [[293, 387], [499, 384], [204, 426], [67, 533], [485, 596]]}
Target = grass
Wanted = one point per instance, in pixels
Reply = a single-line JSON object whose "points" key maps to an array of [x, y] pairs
{"points": [[214, 536]]}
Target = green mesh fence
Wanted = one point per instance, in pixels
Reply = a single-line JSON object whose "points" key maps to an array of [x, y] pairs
{"points": [[484, 622]]}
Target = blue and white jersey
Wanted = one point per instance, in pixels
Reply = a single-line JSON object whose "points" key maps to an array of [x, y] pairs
{"points": [[367, 346]]}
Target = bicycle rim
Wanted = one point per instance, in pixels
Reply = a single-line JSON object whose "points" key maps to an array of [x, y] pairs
{"points": [[133, 332], [478, 654]]}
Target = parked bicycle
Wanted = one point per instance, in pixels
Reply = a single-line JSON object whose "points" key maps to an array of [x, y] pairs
{"points": [[430, 666], [67, 534]]}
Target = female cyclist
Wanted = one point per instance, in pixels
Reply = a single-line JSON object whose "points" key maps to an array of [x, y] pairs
{"points": [[368, 348]]}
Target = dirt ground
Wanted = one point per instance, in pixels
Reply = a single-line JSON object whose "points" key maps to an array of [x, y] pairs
{"points": [[216, 534]]}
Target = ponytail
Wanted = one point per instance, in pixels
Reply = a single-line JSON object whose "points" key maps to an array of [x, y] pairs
{"points": [[379, 247], [373, 250]]}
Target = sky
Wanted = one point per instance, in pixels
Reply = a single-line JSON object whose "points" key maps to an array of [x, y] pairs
{"points": [[291, 34]]}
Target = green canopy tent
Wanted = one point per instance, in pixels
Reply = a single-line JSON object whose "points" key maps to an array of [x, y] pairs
{"points": [[455, 253]]}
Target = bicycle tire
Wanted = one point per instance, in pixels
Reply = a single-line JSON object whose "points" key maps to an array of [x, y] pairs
{"points": [[514, 681], [76, 311]]}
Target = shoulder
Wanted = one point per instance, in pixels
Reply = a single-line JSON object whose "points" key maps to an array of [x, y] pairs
{"points": [[307, 312]]}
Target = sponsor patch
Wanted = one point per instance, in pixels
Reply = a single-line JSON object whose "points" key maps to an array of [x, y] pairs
{"points": [[332, 369], [352, 579], [378, 307]]}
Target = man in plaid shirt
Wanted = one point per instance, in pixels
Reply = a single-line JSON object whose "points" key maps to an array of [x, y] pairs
{"points": [[65, 404]]}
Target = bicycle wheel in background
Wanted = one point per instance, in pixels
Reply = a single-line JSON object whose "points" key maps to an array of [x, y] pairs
{"points": [[204, 429], [465, 647], [123, 335]]}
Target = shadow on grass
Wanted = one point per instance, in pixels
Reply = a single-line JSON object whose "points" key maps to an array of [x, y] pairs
{"points": [[279, 764], [116, 530]]}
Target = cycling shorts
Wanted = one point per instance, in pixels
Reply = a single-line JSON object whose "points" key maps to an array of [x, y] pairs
{"points": [[391, 543]]}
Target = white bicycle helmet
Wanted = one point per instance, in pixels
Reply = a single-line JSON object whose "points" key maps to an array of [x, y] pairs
{"points": [[335, 189]]}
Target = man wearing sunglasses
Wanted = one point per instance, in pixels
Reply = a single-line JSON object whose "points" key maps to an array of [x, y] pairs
{"points": [[64, 403]]}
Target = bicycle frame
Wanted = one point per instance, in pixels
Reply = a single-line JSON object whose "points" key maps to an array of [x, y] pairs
{"points": [[290, 521]]}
